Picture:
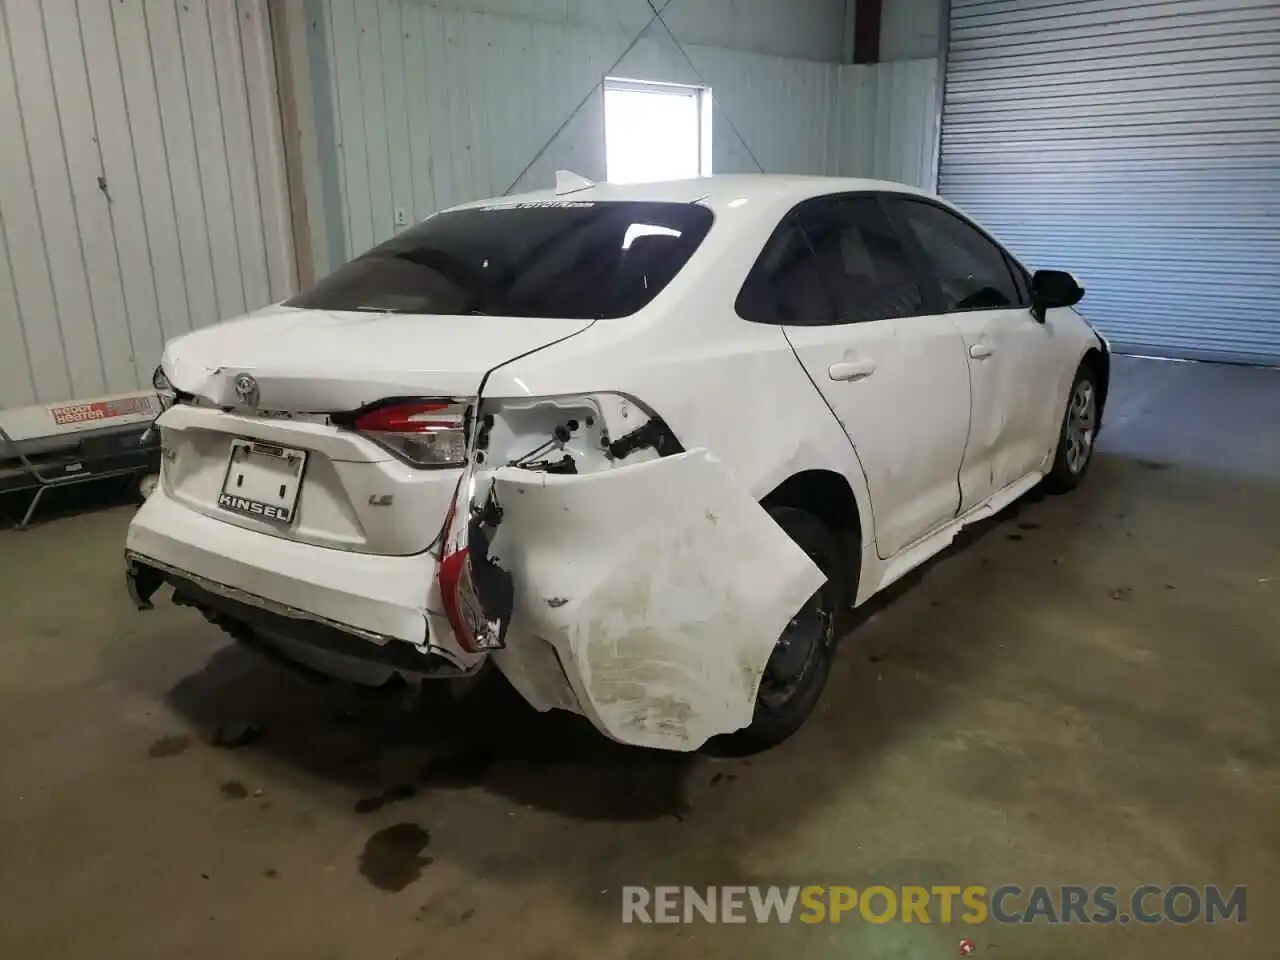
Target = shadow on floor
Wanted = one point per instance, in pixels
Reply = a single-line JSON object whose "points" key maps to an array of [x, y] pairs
{"points": [[387, 752], [68, 501]]}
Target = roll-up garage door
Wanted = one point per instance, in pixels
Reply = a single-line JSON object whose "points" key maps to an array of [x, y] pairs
{"points": [[1137, 144]]}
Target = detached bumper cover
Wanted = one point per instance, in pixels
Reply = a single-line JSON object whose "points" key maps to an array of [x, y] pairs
{"points": [[647, 597]]}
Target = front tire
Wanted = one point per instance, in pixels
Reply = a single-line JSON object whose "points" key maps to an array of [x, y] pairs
{"points": [[1077, 434], [797, 671]]}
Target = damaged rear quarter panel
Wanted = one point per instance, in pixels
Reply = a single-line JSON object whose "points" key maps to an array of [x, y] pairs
{"points": [[662, 586]]}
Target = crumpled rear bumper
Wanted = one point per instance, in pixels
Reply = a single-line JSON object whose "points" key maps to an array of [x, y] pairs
{"points": [[647, 597], [380, 598]]}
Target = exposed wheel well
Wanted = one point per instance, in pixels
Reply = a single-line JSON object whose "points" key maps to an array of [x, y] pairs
{"points": [[823, 493], [1100, 362], [827, 496]]}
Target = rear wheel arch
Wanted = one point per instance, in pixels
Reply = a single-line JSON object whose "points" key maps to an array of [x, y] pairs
{"points": [[829, 497], [825, 494], [797, 671]]}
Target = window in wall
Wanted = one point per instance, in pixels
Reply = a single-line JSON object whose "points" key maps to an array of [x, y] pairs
{"points": [[656, 131]]}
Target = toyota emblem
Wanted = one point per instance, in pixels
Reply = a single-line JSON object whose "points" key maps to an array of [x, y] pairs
{"points": [[247, 390]]}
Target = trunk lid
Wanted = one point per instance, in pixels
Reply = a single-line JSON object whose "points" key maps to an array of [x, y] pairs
{"points": [[319, 361], [269, 458]]}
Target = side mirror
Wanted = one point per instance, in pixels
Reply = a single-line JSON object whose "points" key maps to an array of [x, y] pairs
{"points": [[1053, 288]]}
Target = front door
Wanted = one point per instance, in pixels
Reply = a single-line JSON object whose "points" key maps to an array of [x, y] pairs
{"points": [[987, 297], [895, 376]]}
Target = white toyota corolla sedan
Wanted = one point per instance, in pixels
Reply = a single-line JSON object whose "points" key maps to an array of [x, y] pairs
{"points": [[642, 446]]}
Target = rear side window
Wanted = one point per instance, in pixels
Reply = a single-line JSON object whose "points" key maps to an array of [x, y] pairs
{"points": [[862, 261], [832, 260], [785, 285], [574, 260], [971, 270]]}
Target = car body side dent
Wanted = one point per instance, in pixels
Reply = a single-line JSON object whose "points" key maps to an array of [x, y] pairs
{"points": [[732, 387], [648, 597]]}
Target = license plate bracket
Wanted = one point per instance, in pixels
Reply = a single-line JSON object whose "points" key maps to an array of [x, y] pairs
{"points": [[263, 480]]}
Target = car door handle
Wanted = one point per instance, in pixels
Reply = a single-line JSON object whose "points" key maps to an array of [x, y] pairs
{"points": [[980, 351], [852, 369]]}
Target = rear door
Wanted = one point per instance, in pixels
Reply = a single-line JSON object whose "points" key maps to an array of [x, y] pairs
{"points": [[838, 279], [987, 296]]}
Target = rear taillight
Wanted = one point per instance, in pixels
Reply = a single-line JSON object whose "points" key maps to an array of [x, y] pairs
{"points": [[164, 388], [461, 605], [464, 547], [426, 433]]}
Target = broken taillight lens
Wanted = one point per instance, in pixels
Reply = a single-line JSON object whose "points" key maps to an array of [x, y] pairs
{"points": [[425, 433], [474, 629], [473, 632]]}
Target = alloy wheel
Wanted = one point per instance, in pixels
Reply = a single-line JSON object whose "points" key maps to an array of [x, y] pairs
{"points": [[1082, 421]]}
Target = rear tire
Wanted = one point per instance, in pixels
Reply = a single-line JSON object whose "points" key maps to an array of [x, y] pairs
{"points": [[1077, 433], [143, 486], [797, 672]]}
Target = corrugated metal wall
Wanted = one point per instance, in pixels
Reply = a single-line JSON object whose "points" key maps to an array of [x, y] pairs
{"points": [[434, 107], [1136, 143], [141, 185], [910, 29], [803, 29], [890, 121]]}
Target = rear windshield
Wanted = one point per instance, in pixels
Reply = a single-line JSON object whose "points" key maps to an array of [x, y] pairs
{"points": [[577, 260]]}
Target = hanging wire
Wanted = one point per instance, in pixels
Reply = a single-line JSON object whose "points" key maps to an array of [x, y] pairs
{"points": [[657, 15]]}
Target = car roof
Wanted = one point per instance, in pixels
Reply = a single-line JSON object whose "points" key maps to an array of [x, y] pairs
{"points": [[715, 191]]}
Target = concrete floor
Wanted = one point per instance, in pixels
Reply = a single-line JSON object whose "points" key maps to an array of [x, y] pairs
{"points": [[1085, 692]]}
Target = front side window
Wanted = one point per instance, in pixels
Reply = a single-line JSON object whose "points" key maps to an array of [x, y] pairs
{"points": [[1020, 280], [868, 273], [972, 272], [567, 259]]}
